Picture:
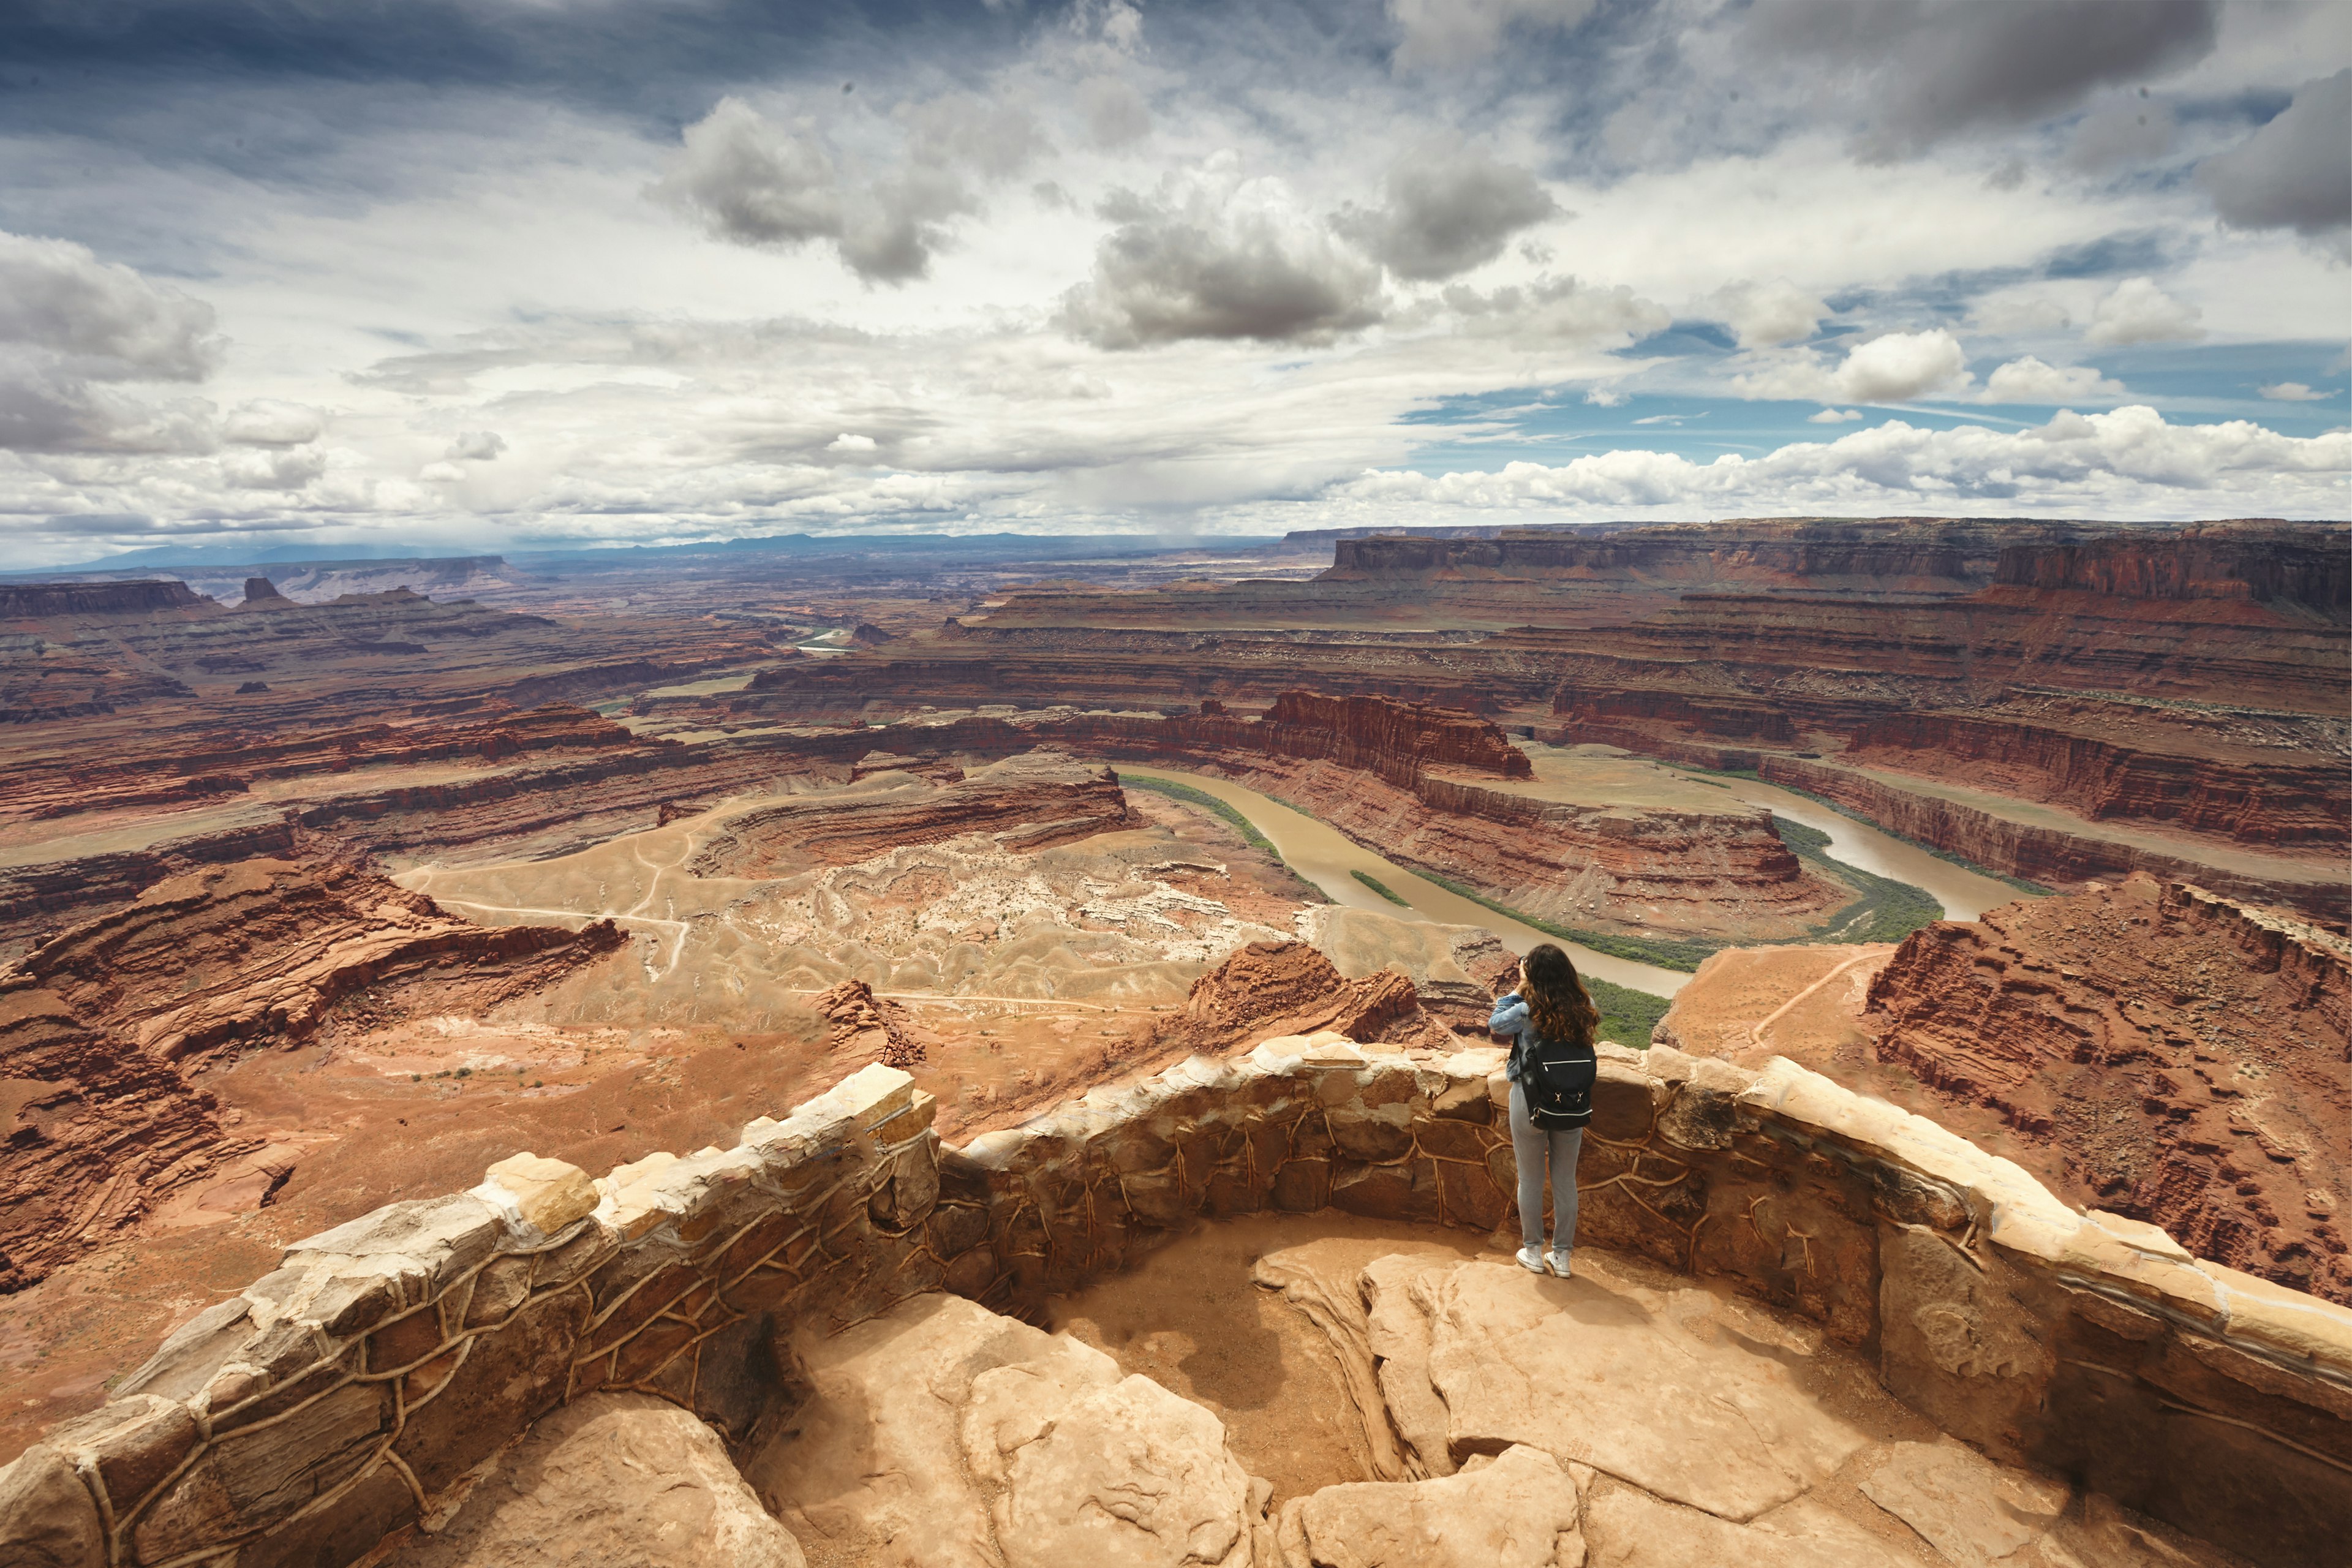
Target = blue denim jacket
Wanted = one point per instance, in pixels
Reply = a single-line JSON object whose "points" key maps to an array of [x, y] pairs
{"points": [[1511, 1018]]}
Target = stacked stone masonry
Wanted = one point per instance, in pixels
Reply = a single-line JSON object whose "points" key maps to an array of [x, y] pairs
{"points": [[365, 1386]]}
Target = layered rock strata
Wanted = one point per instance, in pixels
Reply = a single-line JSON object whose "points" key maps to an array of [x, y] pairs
{"points": [[1291, 988], [1028, 802], [345, 1396], [2172, 1055], [862, 1029], [231, 764], [2044, 854], [105, 1028]]}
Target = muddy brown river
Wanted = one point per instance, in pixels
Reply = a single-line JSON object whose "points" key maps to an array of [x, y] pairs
{"points": [[1328, 857]]}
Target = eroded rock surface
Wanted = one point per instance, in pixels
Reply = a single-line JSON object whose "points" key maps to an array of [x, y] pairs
{"points": [[1289, 988], [104, 1027], [2165, 1053], [1027, 801], [1519, 1511], [941, 1435], [1581, 1368], [612, 1480]]}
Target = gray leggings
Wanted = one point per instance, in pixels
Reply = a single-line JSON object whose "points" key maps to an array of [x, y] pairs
{"points": [[1530, 1143]]}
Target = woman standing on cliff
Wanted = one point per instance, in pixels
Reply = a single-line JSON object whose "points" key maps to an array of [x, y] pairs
{"points": [[1552, 1023]]}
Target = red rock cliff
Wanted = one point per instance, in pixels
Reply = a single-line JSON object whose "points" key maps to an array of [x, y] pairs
{"points": [[2166, 1053], [102, 1026], [2300, 565]]}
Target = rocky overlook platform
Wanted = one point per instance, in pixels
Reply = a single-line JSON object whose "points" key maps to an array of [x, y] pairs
{"points": [[1891, 1347]]}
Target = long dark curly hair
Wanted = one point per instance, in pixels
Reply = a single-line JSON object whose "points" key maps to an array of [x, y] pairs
{"points": [[1556, 998]]}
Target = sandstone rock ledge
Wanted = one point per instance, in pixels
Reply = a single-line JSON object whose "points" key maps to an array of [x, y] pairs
{"points": [[372, 1383]]}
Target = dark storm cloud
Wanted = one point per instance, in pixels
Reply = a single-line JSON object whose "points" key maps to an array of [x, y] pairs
{"points": [[1194, 268], [1932, 69], [1451, 207], [2295, 172]]}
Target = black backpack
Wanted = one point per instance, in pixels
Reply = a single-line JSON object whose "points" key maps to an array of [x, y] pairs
{"points": [[1558, 1083]]}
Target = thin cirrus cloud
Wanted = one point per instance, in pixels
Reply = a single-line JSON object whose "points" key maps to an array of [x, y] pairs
{"points": [[1449, 35]]}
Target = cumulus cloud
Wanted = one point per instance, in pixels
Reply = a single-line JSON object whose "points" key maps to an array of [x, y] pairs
{"points": [[266, 422], [1451, 207], [1834, 417], [100, 320], [282, 468], [849, 441], [2028, 380], [1557, 309], [71, 324], [753, 181], [1932, 69], [2295, 172], [2129, 457], [1445, 35], [476, 445], [1218, 257], [1892, 368], [1765, 315], [2137, 312], [2293, 392]]}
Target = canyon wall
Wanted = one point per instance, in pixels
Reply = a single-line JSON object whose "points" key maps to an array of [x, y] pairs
{"points": [[2037, 854], [1025, 801], [230, 763], [2268, 800], [30, 601], [104, 1026], [1406, 778], [347, 1395], [2164, 1052], [1916, 554], [2215, 560]]}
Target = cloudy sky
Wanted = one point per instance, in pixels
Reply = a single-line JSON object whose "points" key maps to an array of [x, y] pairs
{"points": [[498, 274]]}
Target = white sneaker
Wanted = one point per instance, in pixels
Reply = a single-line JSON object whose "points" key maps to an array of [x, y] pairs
{"points": [[1559, 1264], [1532, 1260]]}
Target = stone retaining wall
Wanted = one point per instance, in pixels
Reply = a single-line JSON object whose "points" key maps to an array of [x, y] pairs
{"points": [[359, 1388]]}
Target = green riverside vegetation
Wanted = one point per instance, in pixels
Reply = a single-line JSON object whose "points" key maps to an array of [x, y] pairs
{"points": [[1686, 956], [1627, 1016], [1207, 802], [1889, 911], [1382, 889], [2034, 889]]}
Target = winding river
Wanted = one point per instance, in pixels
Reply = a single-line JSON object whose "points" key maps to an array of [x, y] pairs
{"points": [[1328, 857]]}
